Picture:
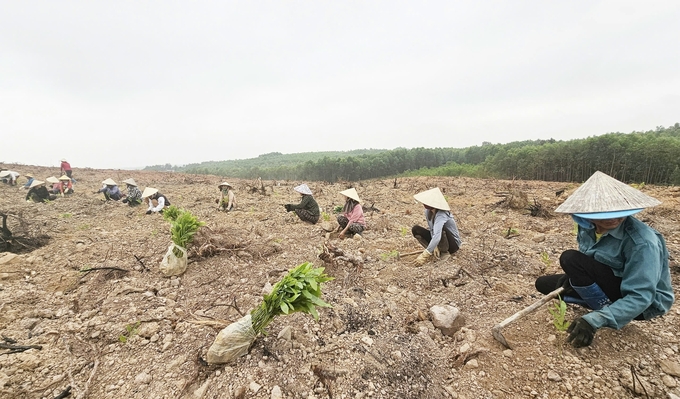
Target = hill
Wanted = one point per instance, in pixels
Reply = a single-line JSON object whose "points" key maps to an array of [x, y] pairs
{"points": [[108, 333]]}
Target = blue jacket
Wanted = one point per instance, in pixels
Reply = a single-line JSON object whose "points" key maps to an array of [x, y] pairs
{"points": [[443, 220], [637, 253]]}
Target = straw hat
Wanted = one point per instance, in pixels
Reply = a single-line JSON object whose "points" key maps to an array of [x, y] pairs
{"points": [[603, 197], [433, 198], [63, 160], [351, 193], [28, 175], [52, 180], [36, 183], [130, 181], [224, 183], [109, 182], [149, 192], [64, 177], [4, 173], [303, 189]]}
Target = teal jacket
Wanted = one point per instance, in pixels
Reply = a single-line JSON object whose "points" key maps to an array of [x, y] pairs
{"points": [[637, 253]]}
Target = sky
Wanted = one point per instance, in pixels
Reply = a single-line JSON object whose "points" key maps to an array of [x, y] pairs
{"points": [[125, 84]]}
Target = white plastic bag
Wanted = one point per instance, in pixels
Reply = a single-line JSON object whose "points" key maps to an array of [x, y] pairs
{"points": [[171, 265], [233, 341]]}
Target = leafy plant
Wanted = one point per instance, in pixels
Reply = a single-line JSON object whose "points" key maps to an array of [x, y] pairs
{"points": [[403, 231], [337, 209], [298, 291], [389, 255], [130, 331], [65, 215], [171, 213], [545, 258], [559, 311], [183, 229], [326, 217]]}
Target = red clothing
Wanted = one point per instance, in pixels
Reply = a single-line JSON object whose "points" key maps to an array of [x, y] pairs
{"points": [[356, 216], [65, 166]]}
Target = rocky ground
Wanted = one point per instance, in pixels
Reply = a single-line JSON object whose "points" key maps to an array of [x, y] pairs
{"points": [[107, 333]]}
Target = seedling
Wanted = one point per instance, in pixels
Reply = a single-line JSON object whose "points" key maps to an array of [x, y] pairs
{"points": [[545, 258], [559, 311], [65, 215], [326, 217], [403, 231], [130, 331], [337, 209], [389, 255]]}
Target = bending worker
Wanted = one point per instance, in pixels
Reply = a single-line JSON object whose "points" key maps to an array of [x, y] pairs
{"points": [[441, 237]]}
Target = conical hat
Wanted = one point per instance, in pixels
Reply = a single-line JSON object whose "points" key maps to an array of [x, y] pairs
{"points": [[64, 177], [303, 189], [63, 160], [109, 182], [130, 181], [52, 180], [351, 193], [224, 183], [36, 183], [602, 193], [4, 173], [433, 198], [149, 192], [28, 175]]}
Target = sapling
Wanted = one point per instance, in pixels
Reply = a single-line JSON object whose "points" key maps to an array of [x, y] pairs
{"points": [[559, 311]]}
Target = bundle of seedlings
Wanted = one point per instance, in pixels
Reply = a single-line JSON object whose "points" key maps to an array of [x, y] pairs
{"points": [[184, 226], [298, 291]]}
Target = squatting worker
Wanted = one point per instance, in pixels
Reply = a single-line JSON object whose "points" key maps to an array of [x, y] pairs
{"points": [[155, 200], [133, 196], [351, 219], [441, 237], [38, 193], [227, 197], [621, 268], [110, 190], [307, 210]]}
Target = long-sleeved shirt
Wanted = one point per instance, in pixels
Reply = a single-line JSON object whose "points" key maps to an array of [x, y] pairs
{"points": [[356, 215], [112, 192], [229, 194], [637, 253], [134, 194], [38, 193], [62, 186], [161, 201], [309, 203], [443, 220], [29, 182]]}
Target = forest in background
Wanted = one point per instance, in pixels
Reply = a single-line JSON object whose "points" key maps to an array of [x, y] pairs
{"points": [[651, 157]]}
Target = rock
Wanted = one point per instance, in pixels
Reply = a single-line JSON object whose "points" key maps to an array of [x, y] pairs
{"points": [[254, 386], [473, 363], [286, 333], [357, 237], [673, 396], [464, 348], [670, 367], [240, 392], [276, 392], [198, 393], [507, 353], [29, 361], [4, 379], [328, 226], [142, 378], [147, 330], [367, 340], [9, 258], [669, 381], [553, 376], [447, 318]]}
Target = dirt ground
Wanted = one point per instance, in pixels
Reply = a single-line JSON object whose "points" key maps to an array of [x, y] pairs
{"points": [[137, 334]]}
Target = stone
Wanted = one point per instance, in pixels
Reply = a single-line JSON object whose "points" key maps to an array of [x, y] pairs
{"points": [[328, 226], [4, 379], [670, 367], [147, 330], [254, 386], [507, 353], [276, 392], [9, 258], [142, 378], [447, 318], [669, 381], [286, 333], [473, 363], [553, 376], [367, 340], [198, 393]]}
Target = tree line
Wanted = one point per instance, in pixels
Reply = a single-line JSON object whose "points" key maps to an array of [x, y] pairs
{"points": [[652, 157]]}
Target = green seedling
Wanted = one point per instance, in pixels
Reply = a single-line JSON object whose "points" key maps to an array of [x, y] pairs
{"points": [[545, 258], [130, 331], [326, 217], [84, 227], [389, 255], [337, 209], [559, 311], [65, 215], [403, 231]]}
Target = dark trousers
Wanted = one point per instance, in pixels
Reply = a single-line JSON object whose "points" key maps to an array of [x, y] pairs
{"points": [[354, 228], [446, 244], [307, 216]]}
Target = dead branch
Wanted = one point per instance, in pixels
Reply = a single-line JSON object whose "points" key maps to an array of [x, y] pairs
{"points": [[331, 254], [92, 269], [17, 348], [65, 393]]}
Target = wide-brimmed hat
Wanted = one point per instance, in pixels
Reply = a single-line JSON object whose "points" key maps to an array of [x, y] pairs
{"points": [[433, 198], [64, 177], [224, 183], [351, 193], [109, 182], [4, 173], [149, 192], [130, 181], [36, 183], [303, 189], [52, 180], [63, 160], [28, 175], [603, 197]]}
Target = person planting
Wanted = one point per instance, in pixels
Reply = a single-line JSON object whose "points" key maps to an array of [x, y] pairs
{"points": [[133, 196], [620, 269], [307, 210], [352, 217], [441, 237], [110, 190], [226, 200], [155, 200]]}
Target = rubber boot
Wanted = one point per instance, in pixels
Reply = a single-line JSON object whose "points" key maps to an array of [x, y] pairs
{"points": [[574, 300], [593, 295]]}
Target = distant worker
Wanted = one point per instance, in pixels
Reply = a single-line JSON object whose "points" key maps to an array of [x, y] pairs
{"points": [[307, 210], [226, 201], [64, 186], [351, 219], [441, 237], [155, 200], [133, 196], [29, 181], [53, 181], [66, 169], [110, 190], [621, 268], [9, 177], [38, 193]]}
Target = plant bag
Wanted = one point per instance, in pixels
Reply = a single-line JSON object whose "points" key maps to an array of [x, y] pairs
{"points": [[171, 265], [233, 341]]}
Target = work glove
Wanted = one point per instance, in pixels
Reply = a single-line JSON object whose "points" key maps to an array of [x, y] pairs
{"points": [[148, 212], [564, 282], [581, 333], [436, 253], [423, 258]]}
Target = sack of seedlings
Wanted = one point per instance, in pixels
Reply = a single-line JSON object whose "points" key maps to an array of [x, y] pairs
{"points": [[233, 341], [174, 262]]}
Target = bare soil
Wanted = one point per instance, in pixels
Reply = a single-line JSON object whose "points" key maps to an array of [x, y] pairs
{"points": [[108, 333]]}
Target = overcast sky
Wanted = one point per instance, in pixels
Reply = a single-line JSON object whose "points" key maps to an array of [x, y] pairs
{"points": [[116, 84]]}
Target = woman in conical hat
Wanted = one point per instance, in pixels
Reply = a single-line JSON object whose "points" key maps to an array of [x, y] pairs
{"points": [[133, 196], [307, 210], [38, 192], [620, 270], [110, 190], [30, 178], [155, 200], [441, 237], [227, 197], [64, 186], [351, 219]]}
